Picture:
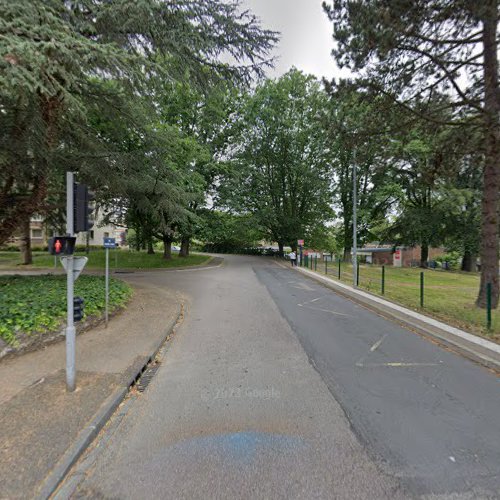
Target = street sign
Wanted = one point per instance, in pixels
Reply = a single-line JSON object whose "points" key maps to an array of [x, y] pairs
{"points": [[109, 243], [300, 243], [78, 265]]}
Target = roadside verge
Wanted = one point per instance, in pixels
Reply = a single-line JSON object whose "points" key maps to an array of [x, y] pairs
{"points": [[44, 429]]}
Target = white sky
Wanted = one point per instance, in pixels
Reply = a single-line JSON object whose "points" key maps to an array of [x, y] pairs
{"points": [[306, 35]]}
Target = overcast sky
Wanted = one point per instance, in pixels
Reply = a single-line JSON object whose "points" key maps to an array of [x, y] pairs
{"points": [[306, 35]]}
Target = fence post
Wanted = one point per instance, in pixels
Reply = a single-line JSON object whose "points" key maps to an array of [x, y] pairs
{"points": [[326, 266], [339, 267], [383, 280], [357, 273], [422, 289], [488, 306], [316, 262]]}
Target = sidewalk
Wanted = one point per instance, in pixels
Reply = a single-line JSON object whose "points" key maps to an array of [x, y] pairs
{"points": [[40, 421]]}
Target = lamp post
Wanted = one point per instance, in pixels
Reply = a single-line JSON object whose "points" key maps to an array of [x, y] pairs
{"points": [[354, 223]]}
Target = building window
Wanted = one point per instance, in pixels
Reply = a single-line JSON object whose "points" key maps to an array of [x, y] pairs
{"points": [[106, 235], [91, 234], [36, 233]]}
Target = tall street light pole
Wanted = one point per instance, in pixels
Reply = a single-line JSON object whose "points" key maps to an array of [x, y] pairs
{"points": [[354, 223]]}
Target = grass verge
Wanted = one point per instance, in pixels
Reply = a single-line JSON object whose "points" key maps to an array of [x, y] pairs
{"points": [[118, 259], [37, 304], [448, 296]]}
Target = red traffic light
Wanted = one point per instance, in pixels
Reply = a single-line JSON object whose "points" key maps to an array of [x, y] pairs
{"points": [[62, 245]]}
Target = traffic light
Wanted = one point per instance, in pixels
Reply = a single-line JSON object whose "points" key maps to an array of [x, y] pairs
{"points": [[62, 245], [78, 304], [83, 208]]}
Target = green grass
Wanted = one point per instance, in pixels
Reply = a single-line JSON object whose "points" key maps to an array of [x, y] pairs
{"points": [[37, 304], [448, 296], [118, 259]]}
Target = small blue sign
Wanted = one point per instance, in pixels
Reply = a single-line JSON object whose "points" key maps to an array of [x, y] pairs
{"points": [[109, 243]]}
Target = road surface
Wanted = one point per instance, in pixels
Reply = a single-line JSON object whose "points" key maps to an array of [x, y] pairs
{"points": [[276, 387]]}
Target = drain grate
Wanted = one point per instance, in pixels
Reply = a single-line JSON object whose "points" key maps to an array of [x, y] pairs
{"points": [[147, 376]]}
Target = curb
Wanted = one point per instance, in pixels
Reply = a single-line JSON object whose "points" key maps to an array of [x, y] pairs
{"points": [[477, 348], [90, 432]]}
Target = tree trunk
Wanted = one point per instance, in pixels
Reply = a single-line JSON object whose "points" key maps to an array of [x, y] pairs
{"points": [[468, 262], [185, 241], [347, 254], [151, 249], [424, 254], [167, 248], [280, 248], [491, 193], [25, 246]]}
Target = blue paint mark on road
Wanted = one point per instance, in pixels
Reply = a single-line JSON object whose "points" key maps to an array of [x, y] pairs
{"points": [[239, 447]]}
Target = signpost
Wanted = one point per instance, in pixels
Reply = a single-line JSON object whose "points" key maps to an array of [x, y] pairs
{"points": [[108, 243], [77, 213]]}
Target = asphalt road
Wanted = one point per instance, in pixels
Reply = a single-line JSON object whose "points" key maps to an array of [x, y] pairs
{"points": [[275, 387]]}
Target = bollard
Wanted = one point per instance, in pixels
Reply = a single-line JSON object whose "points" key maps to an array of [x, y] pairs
{"points": [[422, 289], [357, 274], [326, 266], [339, 268], [316, 262], [488, 306], [383, 280]]}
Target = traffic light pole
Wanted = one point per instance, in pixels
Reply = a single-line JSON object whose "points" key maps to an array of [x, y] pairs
{"points": [[70, 326]]}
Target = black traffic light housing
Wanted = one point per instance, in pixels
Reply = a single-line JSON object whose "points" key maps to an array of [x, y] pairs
{"points": [[78, 304], [62, 245], [83, 208]]}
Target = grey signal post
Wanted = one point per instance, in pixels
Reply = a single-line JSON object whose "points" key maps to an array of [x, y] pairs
{"points": [[108, 243], [70, 326]]}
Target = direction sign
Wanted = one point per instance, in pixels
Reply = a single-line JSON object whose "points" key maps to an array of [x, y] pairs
{"points": [[109, 243]]}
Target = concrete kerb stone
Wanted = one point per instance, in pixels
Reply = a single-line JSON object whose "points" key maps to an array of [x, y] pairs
{"points": [[477, 348], [89, 433]]}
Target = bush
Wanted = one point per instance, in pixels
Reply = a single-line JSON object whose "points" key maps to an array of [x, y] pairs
{"points": [[452, 259], [37, 304]]}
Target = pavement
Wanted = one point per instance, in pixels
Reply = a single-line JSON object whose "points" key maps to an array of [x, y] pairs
{"points": [[42, 426]]}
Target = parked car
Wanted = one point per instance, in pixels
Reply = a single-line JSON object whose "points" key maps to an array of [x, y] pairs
{"points": [[175, 248]]}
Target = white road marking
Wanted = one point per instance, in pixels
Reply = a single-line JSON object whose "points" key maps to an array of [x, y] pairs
{"points": [[314, 300], [377, 344], [393, 365], [303, 286]]}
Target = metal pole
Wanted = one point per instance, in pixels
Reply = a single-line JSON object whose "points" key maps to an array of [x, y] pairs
{"points": [[357, 273], [70, 327], [107, 287], [316, 262], [339, 267], [422, 289], [383, 280], [488, 306], [354, 224], [326, 266]]}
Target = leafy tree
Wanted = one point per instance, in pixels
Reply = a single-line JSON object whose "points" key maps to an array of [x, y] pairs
{"points": [[60, 60], [358, 125], [410, 50], [226, 232], [280, 158]]}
